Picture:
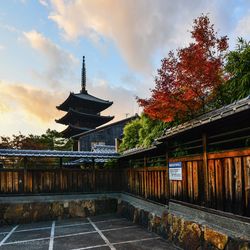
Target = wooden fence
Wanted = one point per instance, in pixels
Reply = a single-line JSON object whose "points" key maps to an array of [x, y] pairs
{"points": [[34, 181], [149, 183], [220, 181], [216, 180]]}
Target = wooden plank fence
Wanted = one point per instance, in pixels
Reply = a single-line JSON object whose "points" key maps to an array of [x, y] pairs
{"points": [[149, 183], [226, 182], [37, 181], [221, 181]]}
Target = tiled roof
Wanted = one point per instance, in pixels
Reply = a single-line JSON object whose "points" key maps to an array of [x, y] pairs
{"points": [[226, 111], [58, 154], [104, 149]]}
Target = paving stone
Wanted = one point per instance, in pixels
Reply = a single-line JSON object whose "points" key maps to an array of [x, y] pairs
{"points": [[5, 229], [105, 217], [71, 221], [156, 244], [114, 224], [73, 229], [34, 225], [36, 234], [78, 241], [101, 248], [2, 236], [35, 245], [121, 235]]}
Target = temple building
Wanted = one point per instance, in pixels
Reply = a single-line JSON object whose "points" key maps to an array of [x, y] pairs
{"points": [[82, 111]]}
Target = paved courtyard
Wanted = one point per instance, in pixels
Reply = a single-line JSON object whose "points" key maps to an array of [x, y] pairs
{"points": [[99, 232]]}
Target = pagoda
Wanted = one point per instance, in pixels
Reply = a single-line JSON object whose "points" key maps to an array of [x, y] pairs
{"points": [[82, 110]]}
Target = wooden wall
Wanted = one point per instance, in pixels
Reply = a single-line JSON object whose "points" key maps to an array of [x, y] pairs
{"points": [[149, 183], [34, 181], [222, 183]]}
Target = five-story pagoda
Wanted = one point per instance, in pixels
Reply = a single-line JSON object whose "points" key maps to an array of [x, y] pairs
{"points": [[83, 110]]}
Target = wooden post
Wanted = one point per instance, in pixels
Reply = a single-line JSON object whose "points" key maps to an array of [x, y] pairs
{"points": [[167, 185], [205, 168], [25, 174], [61, 180]]}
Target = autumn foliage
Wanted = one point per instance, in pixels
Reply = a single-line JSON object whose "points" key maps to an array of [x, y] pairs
{"points": [[188, 78]]}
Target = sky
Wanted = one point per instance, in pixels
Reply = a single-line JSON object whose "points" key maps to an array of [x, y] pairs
{"points": [[42, 43]]}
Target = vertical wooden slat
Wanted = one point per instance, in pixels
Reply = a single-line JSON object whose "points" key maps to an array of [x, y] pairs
{"points": [[228, 173], [247, 185], [162, 186], [195, 182], [211, 183], [190, 181], [219, 185], [184, 182], [166, 179], [238, 185], [201, 194], [205, 169]]}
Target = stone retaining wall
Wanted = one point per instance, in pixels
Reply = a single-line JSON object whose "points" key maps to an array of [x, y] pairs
{"points": [[185, 233], [26, 212]]}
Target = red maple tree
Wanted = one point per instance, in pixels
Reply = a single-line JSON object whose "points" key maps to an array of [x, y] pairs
{"points": [[187, 80]]}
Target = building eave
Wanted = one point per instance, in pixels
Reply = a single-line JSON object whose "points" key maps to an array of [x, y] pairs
{"points": [[98, 120]]}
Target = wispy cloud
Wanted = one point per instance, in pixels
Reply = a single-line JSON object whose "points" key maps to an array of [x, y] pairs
{"points": [[59, 63], [9, 28], [123, 99], [44, 3], [243, 27], [140, 28], [39, 104]]}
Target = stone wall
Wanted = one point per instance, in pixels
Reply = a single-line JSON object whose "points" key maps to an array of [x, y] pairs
{"points": [[185, 233], [24, 212]]}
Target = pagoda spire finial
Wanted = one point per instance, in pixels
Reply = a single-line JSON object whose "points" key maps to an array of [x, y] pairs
{"points": [[83, 82]]}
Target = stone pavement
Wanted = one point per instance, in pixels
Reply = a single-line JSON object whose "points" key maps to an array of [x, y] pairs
{"points": [[97, 233]]}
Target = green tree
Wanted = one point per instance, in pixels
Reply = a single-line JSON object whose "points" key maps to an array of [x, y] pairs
{"points": [[51, 140], [238, 69], [142, 132], [131, 135], [150, 130]]}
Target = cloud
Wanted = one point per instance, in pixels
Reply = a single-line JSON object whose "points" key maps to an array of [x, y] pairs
{"points": [[123, 99], [4, 108], [36, 106], [140, 28], [34, 102], [59, 63], [243, 27], [44, 3], [9, 28]]}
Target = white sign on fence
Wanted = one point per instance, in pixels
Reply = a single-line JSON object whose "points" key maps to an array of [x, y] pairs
{"points": [[175, 171]]}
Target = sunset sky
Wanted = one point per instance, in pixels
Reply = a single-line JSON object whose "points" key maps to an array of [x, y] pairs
{"points": [[42, 44]]}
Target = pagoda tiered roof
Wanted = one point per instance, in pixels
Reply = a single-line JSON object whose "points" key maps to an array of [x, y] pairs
{"points": [[73, 130], [84, 100], [84, 119], [83, 110]]}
